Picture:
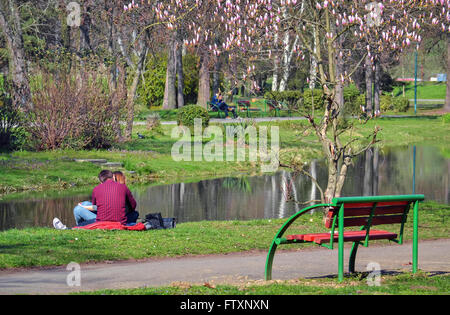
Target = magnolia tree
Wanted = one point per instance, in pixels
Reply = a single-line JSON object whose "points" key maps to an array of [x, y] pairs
{"points": [[328, 32]]}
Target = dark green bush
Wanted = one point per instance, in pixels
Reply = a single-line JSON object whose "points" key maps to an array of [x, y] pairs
{"points": [[290, 97], [12, 134], [353, 100], [446, 118], [386, 103], [318, 97], [187, 114], [400, 104], [151, 89]]}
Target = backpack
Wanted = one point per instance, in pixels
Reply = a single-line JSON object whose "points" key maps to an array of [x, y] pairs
{"points": [[154, 221]]}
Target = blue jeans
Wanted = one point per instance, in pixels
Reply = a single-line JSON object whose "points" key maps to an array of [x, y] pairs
{"points": [[224, 107], [84, 216]]}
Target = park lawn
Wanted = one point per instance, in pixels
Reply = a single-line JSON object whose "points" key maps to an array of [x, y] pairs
{"points": [[149, 160], [406, 283], [33, 247], [425, 90]]}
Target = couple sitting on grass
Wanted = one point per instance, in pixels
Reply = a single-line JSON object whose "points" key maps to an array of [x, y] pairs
{"points": [[112, 201]]}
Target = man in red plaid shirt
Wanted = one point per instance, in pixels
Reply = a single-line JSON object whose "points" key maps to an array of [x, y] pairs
{"points": [[112, 199], [111, 202]]}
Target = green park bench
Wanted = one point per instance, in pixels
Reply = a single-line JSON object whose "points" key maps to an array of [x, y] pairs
{"points": [[364, 212], [277, 107], [214, 108], [245, 106]]}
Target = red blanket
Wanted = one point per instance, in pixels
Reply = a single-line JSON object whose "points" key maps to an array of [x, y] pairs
{"points": [[106, 225]]}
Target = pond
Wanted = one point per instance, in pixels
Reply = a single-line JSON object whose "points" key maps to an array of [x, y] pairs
{"points": [[377, 172]]}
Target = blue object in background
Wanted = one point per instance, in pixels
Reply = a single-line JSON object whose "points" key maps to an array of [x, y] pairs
{"points": [[442, 77]]}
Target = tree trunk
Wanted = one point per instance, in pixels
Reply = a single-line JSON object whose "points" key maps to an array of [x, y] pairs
{"points": [[340, 71], [275, 74], [332, 180], [339, 99], [12, 31], [447, 97], [170, 91], [204, 93], [369, 80], [85, 29], [117, 86], [287, 58], [376, 87], [216, 77], [180, 74], [132, 93]]}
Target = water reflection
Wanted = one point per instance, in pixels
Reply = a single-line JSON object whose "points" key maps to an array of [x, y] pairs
{"points": [[386, 171]]}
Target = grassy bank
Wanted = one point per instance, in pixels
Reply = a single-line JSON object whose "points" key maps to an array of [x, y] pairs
{"points": [[398, 284], [425, 90], [49, 247], [149, 160]]}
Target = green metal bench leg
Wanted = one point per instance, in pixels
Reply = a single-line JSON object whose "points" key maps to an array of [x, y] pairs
{"points": [[341, 244], [274, 245], [351, 263], [415, 236], [269, 261]]}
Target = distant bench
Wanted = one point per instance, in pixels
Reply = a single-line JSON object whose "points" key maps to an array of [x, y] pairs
{"points": [[245, 106], [215, 108], [354, 211]]}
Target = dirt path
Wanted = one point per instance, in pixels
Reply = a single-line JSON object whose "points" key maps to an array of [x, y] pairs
{"points": [[434, 256]]}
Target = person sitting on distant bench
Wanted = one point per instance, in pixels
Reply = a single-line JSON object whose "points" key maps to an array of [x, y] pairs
{"points": [[218, 101]]}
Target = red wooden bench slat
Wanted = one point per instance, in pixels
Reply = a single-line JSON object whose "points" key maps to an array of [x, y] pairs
{"points": [[349, 236], [354, 237], [353, 212], [364, 209], [359, 221], [379, 204]]}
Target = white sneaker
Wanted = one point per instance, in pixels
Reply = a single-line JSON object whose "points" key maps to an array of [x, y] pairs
{"points": [[58, 224]]}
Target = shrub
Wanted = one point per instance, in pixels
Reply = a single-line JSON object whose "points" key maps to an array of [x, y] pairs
{"points": [[400, 104], [386, 103], [12, 134], [446, 118], [187, 114], [352, 100], [151, 89], [71, 111], [291, 98], [318, 98], [154, 123]]}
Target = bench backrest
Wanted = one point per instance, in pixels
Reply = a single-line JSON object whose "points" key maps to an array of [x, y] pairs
{"points": [[272, 103], [374, 210], [243, 103]]}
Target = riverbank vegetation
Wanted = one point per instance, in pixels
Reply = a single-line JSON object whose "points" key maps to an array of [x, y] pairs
{"points": [[148, 160], [35, 247]]}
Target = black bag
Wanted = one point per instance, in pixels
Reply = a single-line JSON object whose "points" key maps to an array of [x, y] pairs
{"points": [[154, 221], [169, 223]]}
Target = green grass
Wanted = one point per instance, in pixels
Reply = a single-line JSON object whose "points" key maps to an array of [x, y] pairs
{"points": [[425, 90], [150, 159], [49, 247], [421, 283]]}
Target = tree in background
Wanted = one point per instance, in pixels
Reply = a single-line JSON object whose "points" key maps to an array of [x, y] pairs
{"points": [[322, 29], [11, 28]]}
